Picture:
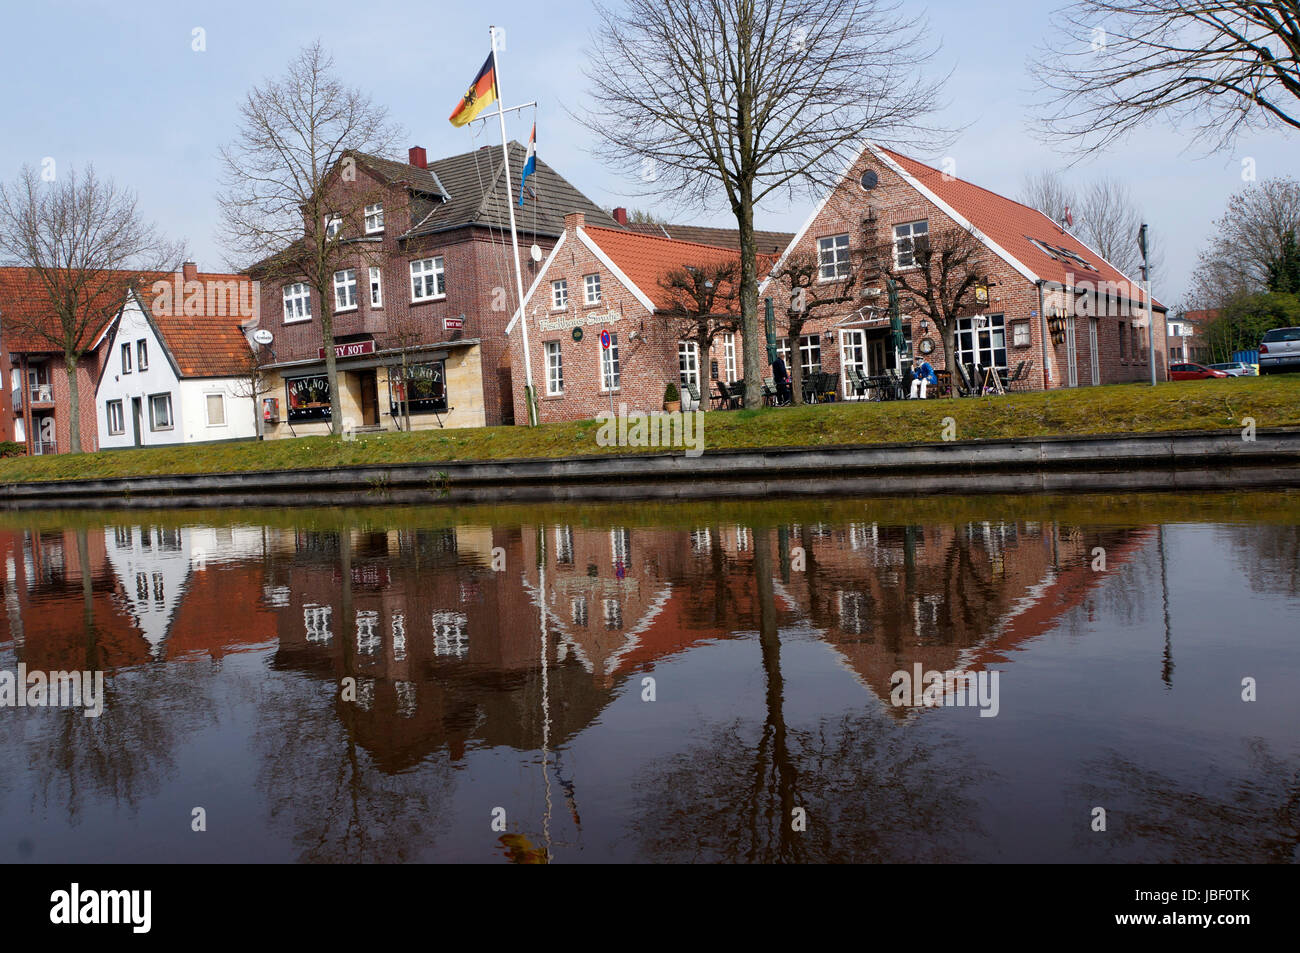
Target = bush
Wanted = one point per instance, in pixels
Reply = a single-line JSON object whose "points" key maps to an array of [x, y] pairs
{"points": [[10, 449], [671, 394]]}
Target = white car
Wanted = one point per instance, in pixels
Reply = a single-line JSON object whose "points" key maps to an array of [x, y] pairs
{"points": [[1235, 369], [1280, 351]]}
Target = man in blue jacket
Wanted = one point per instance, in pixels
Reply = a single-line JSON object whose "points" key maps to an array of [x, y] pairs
{"points": [[923, 377]]}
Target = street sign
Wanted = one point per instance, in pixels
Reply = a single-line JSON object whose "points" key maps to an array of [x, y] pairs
{"points": [[453, 324], [263, 336], [604, 340], [351, 349]]}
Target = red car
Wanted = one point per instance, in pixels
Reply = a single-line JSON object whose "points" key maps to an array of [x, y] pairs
{"points": [[1192, 372]]}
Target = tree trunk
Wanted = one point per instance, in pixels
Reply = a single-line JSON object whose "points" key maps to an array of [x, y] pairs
{"points": [[331, 369], [750, 329], [795, 331], [948, 334], [74, 409]]}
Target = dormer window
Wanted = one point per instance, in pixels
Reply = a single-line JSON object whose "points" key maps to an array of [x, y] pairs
{"points": [[374, 218], [333, 224]]}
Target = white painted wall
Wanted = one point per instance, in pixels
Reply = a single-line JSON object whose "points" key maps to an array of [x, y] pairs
{"points": [[189, 396]]}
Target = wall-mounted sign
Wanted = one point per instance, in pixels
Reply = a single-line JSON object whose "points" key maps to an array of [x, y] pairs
{"points": [[927, 346], [352, 349], [577, 334], [263, 336], [561, 324], [453, 324]]}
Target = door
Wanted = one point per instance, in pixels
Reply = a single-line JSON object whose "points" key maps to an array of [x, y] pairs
{"points": [[876, 356], [1071, 353], [136, 415], [853, 353], [369, 398], [1092, 350]]}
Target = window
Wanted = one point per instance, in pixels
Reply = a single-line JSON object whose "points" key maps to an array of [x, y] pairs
{"points": [[427, 384], [297, 302], [905, 237], [620, 546], [216, 410], [688, 363], [345, 289], [376, 288], [559, 295], [729, 356], [142, 354], [126, 358], [374, 218], [564, 545], [985, 345], [833, 254], [591, 289], [427, 279], [160, 412], [116, 420], [609, 376], [1020, 334], [333, 224], [308, 398], [554, 368], [810, 354]]}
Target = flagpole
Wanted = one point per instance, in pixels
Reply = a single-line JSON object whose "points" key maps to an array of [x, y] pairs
{"points": [[514, 236]]}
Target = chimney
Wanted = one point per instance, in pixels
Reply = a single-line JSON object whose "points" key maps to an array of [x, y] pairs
{"points": [[418, 157], [620, 215], [573, 221], [191, 271]]}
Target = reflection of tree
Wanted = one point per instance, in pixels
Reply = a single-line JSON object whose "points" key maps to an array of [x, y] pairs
{"points": [[1251, 818], [1269, 555], [869, 790]]}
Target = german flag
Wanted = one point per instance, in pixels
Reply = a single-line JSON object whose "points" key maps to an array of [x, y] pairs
{"points": [[481, 94]]}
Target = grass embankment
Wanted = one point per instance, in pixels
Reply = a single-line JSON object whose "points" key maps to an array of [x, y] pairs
{"points": [[1124, 408]]}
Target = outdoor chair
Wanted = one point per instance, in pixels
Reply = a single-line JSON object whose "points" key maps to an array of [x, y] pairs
{"points": [[894, 387], [723, 397], [809, 388], [693, 391], [858, 381], [830, 386], [944, 387], [769, 392]]}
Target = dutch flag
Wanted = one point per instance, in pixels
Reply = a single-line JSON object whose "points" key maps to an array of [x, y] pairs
{"points": [[530, 163]]}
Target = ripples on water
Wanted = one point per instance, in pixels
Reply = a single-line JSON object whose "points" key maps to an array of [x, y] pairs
{"points": [[659, 682]]}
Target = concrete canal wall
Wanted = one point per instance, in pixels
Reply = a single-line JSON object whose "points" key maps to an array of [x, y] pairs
{"points": [[1193, 460]]}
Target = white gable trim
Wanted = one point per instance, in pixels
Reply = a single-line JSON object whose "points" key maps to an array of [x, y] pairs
{"points": [[952, 213], [616, 271], [541, 273]]}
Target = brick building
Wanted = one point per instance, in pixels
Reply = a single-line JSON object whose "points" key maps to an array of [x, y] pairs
{"points": [[599, 279], [432, 280], [1186, 336], [1053, 303]]}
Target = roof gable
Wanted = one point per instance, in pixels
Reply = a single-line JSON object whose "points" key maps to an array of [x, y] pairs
{"points": [[645, 259]]}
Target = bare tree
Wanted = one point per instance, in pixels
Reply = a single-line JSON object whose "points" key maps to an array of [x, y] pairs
{"points": [[85, 242], [301, 136], [1209, 66], [746, 99], [703, 300], [1249, 238], [942, 285], [254, 379], [1048, 192], [809, 296]]}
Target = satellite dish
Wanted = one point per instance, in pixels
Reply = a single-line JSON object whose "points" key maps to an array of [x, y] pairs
{"points": [[535, 253], [263, 336]]}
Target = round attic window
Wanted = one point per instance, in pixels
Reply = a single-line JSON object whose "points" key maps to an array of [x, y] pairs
{"points": [[869, 180]]}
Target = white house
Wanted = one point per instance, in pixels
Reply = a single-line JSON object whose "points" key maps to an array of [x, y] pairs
{"points": [[174, 378]]}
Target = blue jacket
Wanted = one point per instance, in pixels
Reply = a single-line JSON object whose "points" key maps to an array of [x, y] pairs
{"points": [[926, 371]]}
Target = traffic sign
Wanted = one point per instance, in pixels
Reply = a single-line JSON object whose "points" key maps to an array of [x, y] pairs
{"points": [[604, 340]]}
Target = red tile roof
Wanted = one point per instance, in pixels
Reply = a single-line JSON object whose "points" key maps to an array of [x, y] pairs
{"points": [[206, 345], [22, 297], [647, 258], [1014, 226]]}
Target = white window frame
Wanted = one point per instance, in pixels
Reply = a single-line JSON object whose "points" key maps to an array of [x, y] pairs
{"points": [[729, 357], [1020, 334], [611, 369], [126, 357], [591, 290], [426, 272], [559, 294], [113, 409], [207, 409], [297, 300], [374, 218], [688, 363], [833, 257], [333, 224], [907, 232], [376, 287], [806, 344], [554, 368], [348, 287], [967, 342], [142, 354], [153, 417]]}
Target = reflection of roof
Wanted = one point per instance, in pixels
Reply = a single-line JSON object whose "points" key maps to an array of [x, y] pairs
{"points": [[221, 613], [1018, 229]]}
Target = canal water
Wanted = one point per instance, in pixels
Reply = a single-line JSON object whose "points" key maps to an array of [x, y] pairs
{"points": [[666, 682]]}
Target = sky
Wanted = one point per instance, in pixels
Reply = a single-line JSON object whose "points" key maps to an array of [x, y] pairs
{"points": [[121, 86]]}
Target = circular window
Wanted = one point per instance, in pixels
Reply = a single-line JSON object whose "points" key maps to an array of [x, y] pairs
{"points": [[869, 180]]}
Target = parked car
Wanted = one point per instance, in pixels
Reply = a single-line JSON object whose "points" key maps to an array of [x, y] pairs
{"points": [[1235, 369], [1279, 351], [1192, 372]]}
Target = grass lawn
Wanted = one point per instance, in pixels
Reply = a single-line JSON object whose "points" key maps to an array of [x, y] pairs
{"points": [[1122, 408]]}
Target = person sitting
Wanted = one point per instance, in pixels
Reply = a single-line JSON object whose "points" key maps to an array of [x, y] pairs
{"points": [[923, 377]]}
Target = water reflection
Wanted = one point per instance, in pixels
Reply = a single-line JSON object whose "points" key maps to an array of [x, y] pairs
{"points": [[677, 683]]}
